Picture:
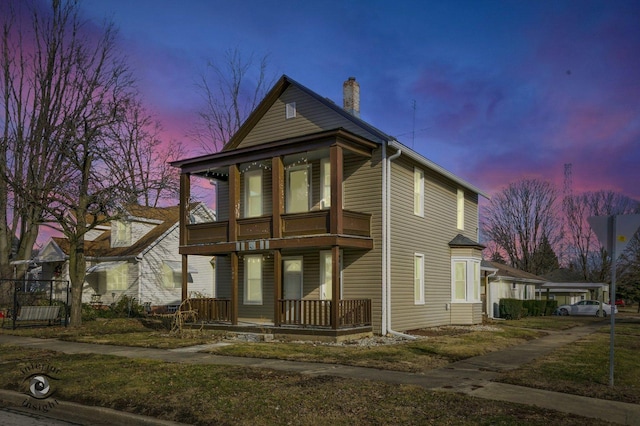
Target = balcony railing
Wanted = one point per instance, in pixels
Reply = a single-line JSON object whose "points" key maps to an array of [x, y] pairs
{"points": [[293, 224], [211, 309], [317, 313]]}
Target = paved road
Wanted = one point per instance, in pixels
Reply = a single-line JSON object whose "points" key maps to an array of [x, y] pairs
{"points": [[17, 417]]}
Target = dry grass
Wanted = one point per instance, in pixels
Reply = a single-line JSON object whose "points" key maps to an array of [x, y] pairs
{"points": [[207, 394]]}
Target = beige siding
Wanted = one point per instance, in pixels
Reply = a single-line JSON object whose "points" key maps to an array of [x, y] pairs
{"points": [[362, 269], [222, 202], [311, 117], [466, 313]]}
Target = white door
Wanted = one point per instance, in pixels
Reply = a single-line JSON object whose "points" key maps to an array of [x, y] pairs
{"points": [[292, 284]]}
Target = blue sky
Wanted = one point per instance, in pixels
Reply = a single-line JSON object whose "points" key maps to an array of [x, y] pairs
{"points": [[503, 90]]}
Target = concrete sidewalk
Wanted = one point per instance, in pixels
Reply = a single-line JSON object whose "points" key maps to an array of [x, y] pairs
{"points": [[472, 376]]}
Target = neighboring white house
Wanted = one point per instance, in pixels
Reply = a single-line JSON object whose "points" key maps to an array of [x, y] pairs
{"points": [[505, 282], [569, 293], [135, 255]]}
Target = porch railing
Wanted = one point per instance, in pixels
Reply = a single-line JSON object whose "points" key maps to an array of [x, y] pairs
{"points": [[317, 313], [211, 309]]}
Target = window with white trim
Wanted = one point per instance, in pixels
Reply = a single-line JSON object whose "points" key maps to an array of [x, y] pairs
{"points": [[253, 279], [418, 192], [253, 193], [460, 209], [465, 280], [326, 277], [298, 189], [325, 179], [418, 278], [290, 110]]}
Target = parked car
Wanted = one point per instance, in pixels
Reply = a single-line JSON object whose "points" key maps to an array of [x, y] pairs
{"points": [[586, 307], [619, 302]]}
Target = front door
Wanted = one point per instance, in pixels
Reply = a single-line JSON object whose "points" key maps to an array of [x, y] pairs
{"points": [[292, 287]]}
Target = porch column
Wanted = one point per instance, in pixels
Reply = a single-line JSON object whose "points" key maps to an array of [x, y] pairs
{"points": [[185, 190], [277, 286], [335, 286], [185, 276], [277, 193], [234, 201], [234, 288], [335, 212]]}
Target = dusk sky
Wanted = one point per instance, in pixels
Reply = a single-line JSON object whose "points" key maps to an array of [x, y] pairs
{"points": [[503, 90]]}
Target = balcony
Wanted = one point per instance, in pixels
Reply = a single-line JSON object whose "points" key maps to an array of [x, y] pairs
{"points": [[292, 225]]}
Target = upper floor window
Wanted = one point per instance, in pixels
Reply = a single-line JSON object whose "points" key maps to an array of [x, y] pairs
{"points": [[418, 192], [253, 193], [122, 234], [290, 110], [460, 209], [298, 189], [325, 182]]}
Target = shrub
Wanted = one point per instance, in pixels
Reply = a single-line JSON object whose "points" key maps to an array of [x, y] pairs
{"points": [[511, 308]]}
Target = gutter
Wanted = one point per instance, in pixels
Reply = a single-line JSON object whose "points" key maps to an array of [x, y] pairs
{"points": [[386, 238]]}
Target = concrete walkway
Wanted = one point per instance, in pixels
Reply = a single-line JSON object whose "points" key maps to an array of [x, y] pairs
{"points": [[472, 376]]}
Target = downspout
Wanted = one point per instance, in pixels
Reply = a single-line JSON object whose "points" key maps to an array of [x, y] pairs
{"points": [[383, 327], [387, 238]]}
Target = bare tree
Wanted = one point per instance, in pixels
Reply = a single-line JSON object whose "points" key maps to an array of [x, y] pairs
{"points": [[62, 88], [138, 159], [587, 255], [231, 92], [522, 220]]}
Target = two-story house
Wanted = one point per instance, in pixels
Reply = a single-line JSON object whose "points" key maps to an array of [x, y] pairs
{"points": [[134, 255], [327, 225]]}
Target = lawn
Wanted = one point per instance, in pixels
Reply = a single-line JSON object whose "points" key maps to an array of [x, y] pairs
{"points": [[209, 394], [582, 368]]}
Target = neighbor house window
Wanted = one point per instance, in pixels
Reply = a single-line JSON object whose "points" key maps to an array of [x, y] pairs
{"points": [[465, 280], [325, 179], [460, 209], [253, 279], [253, 193], [418, 279], [418, 192], [117, 277], [298, 193]]}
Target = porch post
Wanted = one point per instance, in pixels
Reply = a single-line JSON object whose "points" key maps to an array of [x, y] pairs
{"points": [[335, 286], [335, 212], [185, 190], [234, 201], [277, 286], [234, 288], [277, 193], [185, 275]]}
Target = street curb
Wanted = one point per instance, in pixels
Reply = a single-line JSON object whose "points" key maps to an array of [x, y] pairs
{"points": [[81, 414]]}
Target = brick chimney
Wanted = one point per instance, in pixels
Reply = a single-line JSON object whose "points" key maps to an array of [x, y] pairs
{"points": [[351, 96]]}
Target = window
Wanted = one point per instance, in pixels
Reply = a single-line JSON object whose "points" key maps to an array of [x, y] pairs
{"points": [[172, 274], [253, 279], [117, 277], [418, 279], [325, 179], [122, 234], [465, 280], [418, 192], [326, 278], [291, 110], [253, 193], [460, 209], [298, 193]]}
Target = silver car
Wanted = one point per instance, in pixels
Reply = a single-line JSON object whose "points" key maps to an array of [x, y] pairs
{"points": [[586, 307]]}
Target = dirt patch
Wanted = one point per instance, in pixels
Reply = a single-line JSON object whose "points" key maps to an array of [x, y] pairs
{"points": [[450, 330]]}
